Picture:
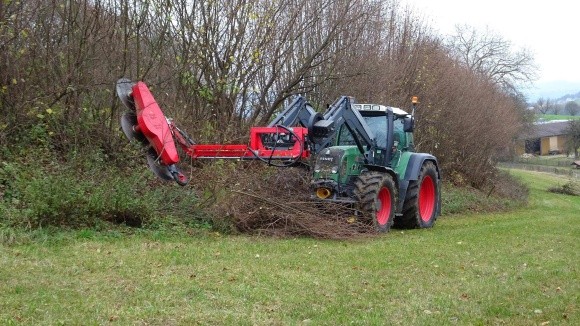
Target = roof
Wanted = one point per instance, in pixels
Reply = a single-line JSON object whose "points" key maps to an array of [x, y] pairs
{"points": [[377, 107], [547, 129]]}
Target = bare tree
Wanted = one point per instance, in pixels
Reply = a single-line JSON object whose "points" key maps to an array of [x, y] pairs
{"points": [[573, 133], [489, 54], [62, 59], [543, 106], [220, 66], [238, 61], [572, 107]]}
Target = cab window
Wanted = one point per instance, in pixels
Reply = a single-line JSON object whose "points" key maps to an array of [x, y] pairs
{"points": [[378, 126]]}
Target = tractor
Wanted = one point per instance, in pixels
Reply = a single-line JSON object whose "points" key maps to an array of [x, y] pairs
{"points": [[359, 154]]}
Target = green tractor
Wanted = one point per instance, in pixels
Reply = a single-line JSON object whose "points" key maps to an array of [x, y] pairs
{"points": [[372, 163], [364, 153]]}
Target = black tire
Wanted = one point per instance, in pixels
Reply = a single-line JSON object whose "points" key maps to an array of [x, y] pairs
{"points": [[377, 196], [421, 203]]}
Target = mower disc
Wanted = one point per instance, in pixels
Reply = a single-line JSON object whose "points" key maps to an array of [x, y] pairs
{"points": [[128, 123], [124, 90], [159, 170]]}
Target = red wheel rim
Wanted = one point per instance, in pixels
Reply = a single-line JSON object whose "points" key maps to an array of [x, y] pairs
{"points": [[384, 211], [427, 198]]}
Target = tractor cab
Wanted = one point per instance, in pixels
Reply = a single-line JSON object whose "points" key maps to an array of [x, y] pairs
{"points": [[376, 118]]}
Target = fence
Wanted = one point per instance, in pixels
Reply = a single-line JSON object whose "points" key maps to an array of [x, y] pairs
{"points": [[567, 171], [559, 160]]}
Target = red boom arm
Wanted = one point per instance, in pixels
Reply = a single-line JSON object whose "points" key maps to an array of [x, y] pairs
{"points": [[276, 143], [293, 150]]}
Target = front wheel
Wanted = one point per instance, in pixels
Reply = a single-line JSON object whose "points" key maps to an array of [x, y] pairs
{"points": [[376, 193], [420, 208]]}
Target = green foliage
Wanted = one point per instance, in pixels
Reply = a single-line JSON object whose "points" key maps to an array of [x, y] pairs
{"points": [[90, 192], [461, 200], [87, 191], [503, 194], [75, 199], [572, 187], [8, 172], [548, 161], [550, 117]]}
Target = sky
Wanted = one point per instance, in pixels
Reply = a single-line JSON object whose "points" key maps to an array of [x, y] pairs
{"points": [[549, 29]]}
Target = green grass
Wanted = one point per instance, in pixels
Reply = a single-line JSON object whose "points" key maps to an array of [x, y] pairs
{"points": [[550, 117], [548, 160], [515, 268]]}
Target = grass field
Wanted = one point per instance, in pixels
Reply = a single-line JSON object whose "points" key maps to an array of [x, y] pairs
{"points": [[548, 160], [515, 268], [550, 117]]}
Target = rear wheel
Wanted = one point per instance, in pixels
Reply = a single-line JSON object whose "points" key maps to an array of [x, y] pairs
{"points": [[420, 208], [377, 193]]}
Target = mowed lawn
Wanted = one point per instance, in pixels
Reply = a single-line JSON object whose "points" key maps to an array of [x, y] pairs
{"points": [[515, 268]]}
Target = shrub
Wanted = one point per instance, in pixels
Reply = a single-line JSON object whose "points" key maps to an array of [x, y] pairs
{"points": [[569, 188], [88, 192], [501, 193]]}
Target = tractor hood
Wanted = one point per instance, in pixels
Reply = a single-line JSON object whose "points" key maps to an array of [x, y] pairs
{"points": [[337, 162]]}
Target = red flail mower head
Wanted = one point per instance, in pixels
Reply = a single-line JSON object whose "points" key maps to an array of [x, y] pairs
{"points": [[276, 145]]}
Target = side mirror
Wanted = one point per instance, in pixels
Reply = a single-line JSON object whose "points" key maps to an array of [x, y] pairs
{"points": [[408, 124]]}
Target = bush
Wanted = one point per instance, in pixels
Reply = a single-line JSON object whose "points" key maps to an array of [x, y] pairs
{"points": [[502, 192], [72, 199], [569, 188], [90, 193]]}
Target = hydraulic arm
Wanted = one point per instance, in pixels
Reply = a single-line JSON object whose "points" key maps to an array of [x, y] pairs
{"points": [[324, 129], [296, 133]]}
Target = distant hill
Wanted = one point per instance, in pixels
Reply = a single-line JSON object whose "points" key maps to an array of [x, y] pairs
{"points": [[555, 90], [568, 97]]}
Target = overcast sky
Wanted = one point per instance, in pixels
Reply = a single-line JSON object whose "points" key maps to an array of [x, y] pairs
{"points": [[550, 29]]}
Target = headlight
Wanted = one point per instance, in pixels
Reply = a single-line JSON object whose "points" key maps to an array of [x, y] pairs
{"points": [[323, 193]]}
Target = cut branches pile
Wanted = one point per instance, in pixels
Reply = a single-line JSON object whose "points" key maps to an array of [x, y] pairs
{"points": [[261, 200]]}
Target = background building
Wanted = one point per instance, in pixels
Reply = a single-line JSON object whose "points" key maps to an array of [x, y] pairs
{"points": [[546, 138]]}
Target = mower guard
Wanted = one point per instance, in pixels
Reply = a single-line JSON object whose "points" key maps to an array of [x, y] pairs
{"points": [[153, 124]]}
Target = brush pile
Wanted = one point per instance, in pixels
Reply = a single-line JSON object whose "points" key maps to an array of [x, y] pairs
{"points": [[261, 200]]}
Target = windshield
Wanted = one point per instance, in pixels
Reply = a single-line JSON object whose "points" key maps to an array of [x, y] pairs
{"points": [[377, 124]]}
